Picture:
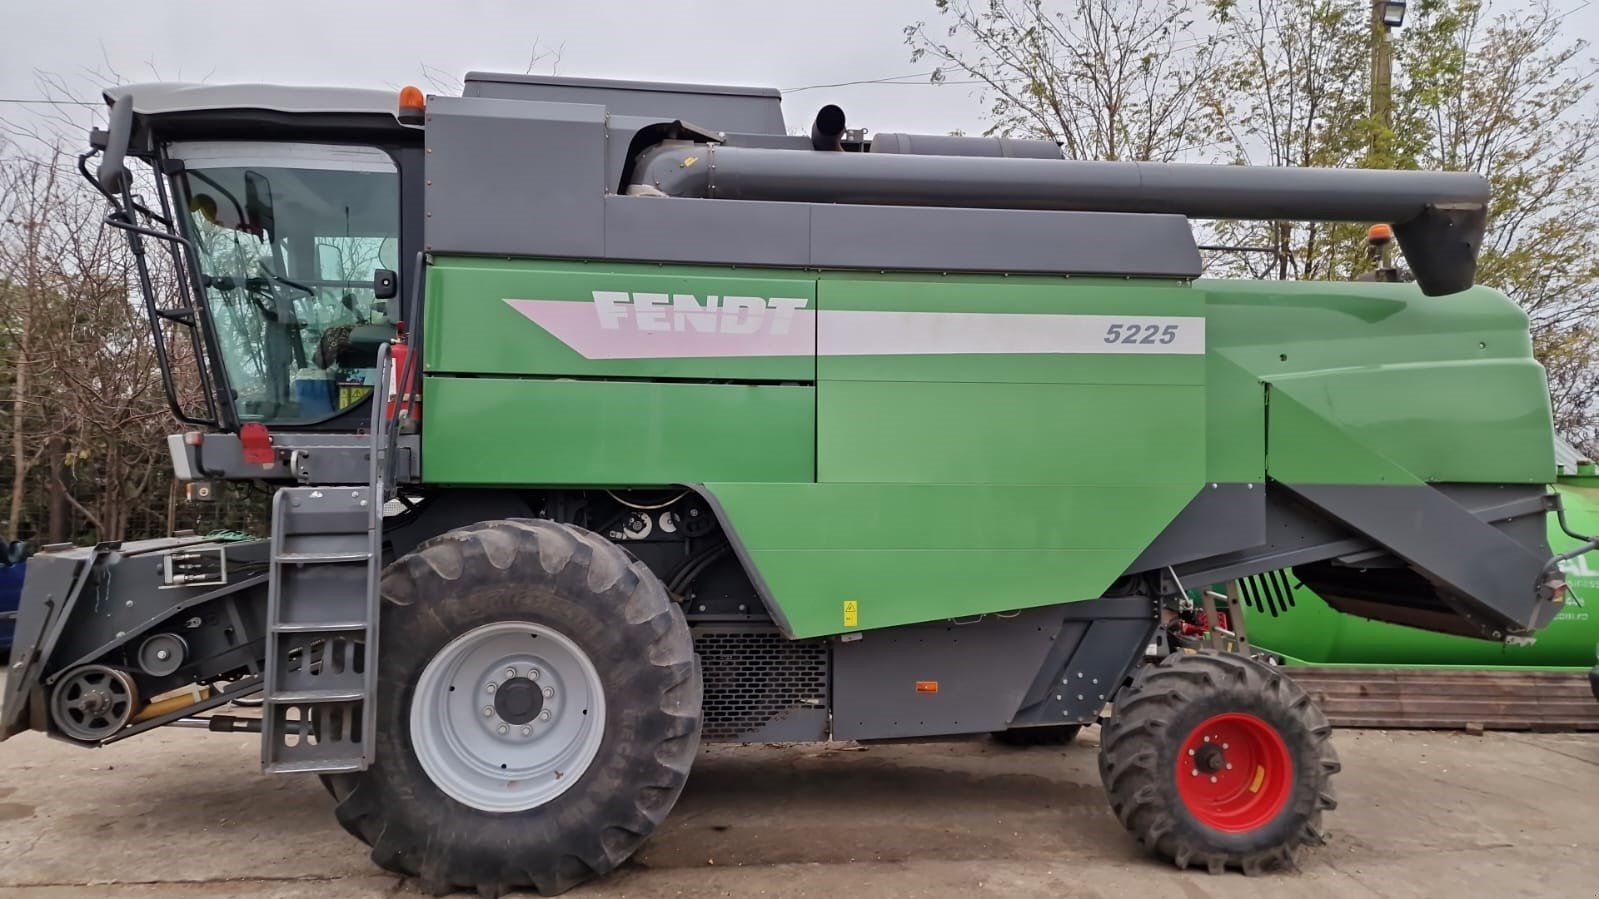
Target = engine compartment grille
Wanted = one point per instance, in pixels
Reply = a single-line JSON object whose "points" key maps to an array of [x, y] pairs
{"points": [[753, 676]]}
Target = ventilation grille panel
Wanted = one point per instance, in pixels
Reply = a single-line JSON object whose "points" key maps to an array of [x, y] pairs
{"points": [[754, 676]]}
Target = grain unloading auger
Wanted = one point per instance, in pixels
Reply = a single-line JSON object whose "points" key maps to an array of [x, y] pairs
{"points": [[730, 435]]}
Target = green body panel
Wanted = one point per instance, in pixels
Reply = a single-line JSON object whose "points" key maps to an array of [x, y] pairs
{"points": [[1309, 632], [1434, 422], [927, 486], [1305, 446], [962, 484], [527, 432], [1444, 387], [916, 552]]}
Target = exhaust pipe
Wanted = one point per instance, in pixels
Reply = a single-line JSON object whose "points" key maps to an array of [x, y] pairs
{"points": [[827, 132]]}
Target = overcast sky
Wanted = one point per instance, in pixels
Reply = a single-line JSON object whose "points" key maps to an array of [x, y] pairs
{"points": [[387, 43]]}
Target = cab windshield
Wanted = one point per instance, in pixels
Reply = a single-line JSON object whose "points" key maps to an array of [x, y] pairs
{"points": [[289, 238]]}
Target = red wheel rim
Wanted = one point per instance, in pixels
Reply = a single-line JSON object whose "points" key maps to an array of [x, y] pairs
{"points": [[1234, 772]]}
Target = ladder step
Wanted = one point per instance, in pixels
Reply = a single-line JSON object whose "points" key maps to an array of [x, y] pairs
{"points": [[307, 627], [293, 697], [296, 558], [322, 766]]}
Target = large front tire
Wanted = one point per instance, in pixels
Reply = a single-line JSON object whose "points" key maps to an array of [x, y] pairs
{"points": [[1215, 760], [491, 780]]}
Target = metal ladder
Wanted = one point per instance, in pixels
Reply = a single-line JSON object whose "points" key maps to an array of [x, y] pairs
{"points": [[322, 615]]}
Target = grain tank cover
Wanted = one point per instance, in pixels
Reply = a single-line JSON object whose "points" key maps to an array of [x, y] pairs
{"points": [[749, 110]]}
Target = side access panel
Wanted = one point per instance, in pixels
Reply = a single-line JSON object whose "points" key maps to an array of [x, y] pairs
{"points": [[1053, 665], [982, 444]]}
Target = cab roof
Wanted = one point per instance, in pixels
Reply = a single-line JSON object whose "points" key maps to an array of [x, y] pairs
{"points": [[163, 98]]}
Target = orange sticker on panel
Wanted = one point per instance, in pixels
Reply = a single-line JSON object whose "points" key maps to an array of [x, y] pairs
{"points": [[927, 686]]}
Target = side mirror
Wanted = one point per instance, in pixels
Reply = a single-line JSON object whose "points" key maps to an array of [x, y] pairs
{"points": [[113, 172], [385, 284]]}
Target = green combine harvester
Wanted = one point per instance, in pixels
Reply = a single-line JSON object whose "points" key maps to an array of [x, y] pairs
{"points": [[607, 418]]}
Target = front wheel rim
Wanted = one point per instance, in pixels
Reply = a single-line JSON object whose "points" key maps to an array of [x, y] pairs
{"points": [[507, 716], [1234, 772]]}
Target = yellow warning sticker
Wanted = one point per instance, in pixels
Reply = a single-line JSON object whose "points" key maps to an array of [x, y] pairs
{"points": [[1260, 778], [852, 616]]}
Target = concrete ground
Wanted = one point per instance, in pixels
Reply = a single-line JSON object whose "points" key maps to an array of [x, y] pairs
{"points": [[186, 813]]}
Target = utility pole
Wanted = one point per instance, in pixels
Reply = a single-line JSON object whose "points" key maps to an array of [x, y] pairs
{"points": [[1386, 15]]}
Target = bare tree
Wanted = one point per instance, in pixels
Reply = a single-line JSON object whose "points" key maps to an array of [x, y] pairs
{"points": [[1107, 79], [1293, 93]]}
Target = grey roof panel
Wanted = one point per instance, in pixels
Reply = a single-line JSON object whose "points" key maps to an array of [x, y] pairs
{"points": [[757, 110], [620, 84], [1568, 456], [162, 98]]}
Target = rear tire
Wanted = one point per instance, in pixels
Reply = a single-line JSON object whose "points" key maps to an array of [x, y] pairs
{"points": [[455, 613], [1046, 735], [1215, 760]]}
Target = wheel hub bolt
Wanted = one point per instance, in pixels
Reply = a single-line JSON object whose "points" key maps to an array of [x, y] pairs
{"points": [[488, 711], [548, 692], [505, 729], [544, 715], [489, 688], [534, 674], [510, 673], [527, 730]]}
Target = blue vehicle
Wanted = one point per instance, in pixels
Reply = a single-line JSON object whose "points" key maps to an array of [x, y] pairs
{"points": [[11, 568]]}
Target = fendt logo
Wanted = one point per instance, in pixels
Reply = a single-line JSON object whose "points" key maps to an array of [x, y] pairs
{"points": [[620, 310], [621, 324]]}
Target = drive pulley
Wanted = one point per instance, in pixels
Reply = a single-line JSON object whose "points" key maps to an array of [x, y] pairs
{"points": [[93, 702]]}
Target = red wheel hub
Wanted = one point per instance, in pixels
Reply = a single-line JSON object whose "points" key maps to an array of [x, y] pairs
{"points": [[1234, 772]]}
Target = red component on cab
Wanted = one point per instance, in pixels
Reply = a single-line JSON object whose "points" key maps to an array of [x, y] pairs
{"points": [[408, 397], [255, 442]]}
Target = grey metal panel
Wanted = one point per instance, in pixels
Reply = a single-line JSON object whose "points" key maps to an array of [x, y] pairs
{"points": [[794, 726], [728, 232], [1295, 535], [515, 178], [983, 670], [52, 580], [939, 239], [718, 107], [1219, 519], [1490, 576], [1076, 692]]}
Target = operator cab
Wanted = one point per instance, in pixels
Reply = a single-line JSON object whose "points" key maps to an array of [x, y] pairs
{"points": [[282, 211], [289, 241]]}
